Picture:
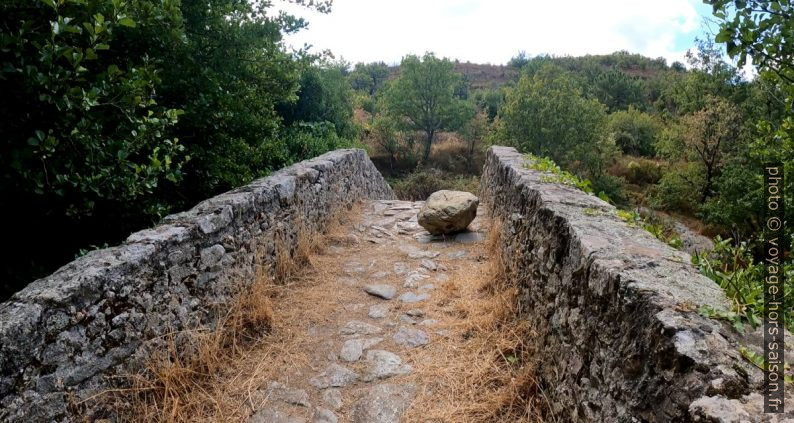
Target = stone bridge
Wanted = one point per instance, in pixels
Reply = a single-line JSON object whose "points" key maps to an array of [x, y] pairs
{"points": [[613, 310]]}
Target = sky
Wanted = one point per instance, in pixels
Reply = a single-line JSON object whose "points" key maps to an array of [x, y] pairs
{"points": [[493, 31]]}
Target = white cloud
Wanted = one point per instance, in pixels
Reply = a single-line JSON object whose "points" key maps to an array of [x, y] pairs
{"points": [[492, 31]]}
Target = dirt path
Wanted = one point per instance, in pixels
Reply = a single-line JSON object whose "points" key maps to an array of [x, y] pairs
{"points": [[390, 325]]}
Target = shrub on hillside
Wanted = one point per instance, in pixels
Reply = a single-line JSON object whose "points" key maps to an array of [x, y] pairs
{"points": [[678, 189], [638, 170], [634, 131]]}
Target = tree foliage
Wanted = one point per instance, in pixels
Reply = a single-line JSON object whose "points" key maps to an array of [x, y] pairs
{"points": [[369, 77], [116, 112], [547, 115], [422, 97], [634, 132]]}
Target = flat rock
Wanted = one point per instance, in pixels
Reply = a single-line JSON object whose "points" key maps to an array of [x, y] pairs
{"points": [[415, 253], [408, 319], [334, 376], [333, 398], [456, 255], [273, 416], [355, 327], [378, 311], [410, 337], [400, 268], [410, 297], [429, 264], [289, 395], [384, 364], [416, 313], [447, 212], [418, 254], [469, 237], [381, 290], [323, 415], [384, 403], [412, 279], [353, 348]]}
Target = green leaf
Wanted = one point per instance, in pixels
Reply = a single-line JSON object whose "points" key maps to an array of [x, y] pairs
{"points": [[128, 22], [723, 36]]}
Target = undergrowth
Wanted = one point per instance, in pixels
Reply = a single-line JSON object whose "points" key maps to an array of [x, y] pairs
{"points": [[741, 276]]}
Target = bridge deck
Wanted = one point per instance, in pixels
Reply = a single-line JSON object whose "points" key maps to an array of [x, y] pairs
{"points": [[421, 345]]}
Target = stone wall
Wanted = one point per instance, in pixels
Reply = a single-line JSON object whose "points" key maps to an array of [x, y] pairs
{"points": [[619, 338], [64, 335]]}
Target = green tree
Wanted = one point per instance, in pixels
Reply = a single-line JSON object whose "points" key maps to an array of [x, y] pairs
{"points": [[369, 77], [634, 131], [85, 125], [707, 135], [229, 75], [617, 90], [547, 115], [762, 30], [104, 101], [423, 97], [325, 95]]}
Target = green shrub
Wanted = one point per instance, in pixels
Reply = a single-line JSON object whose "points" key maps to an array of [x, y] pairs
{"points": [[678, 189], [735, 269], [634, 131]]}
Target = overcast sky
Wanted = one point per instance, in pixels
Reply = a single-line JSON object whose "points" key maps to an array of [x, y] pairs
{"points": [[493, 31]]}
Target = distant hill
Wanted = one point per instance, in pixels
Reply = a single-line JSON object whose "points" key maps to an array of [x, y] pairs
{"points": [[486, 76], [494, 76], [478, 75]]}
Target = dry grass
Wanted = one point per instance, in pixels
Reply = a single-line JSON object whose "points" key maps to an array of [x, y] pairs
{"points": [[216, 374], [483, 370]]}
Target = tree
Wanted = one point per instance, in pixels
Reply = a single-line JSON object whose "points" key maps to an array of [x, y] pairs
{"points": [[760, 29], [385, 134], [707, 134], [229, 74], [422, 97], [634, 131], [118, 112], [369, 77], [473, 134], [617, 90], [547, 115], [324, 95]]}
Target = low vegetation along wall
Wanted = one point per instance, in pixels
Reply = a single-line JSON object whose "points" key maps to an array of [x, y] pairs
{"points": [[619, 337], [63, 336]]}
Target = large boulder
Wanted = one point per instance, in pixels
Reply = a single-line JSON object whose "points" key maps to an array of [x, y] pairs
{"points": [[447, 212]]}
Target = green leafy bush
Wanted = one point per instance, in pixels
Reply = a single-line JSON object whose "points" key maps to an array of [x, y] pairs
{"points": [[634, 131], [735, 269]]}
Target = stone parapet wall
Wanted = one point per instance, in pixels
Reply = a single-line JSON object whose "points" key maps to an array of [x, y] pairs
{"points": [[618, 335], [63, 336]]}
